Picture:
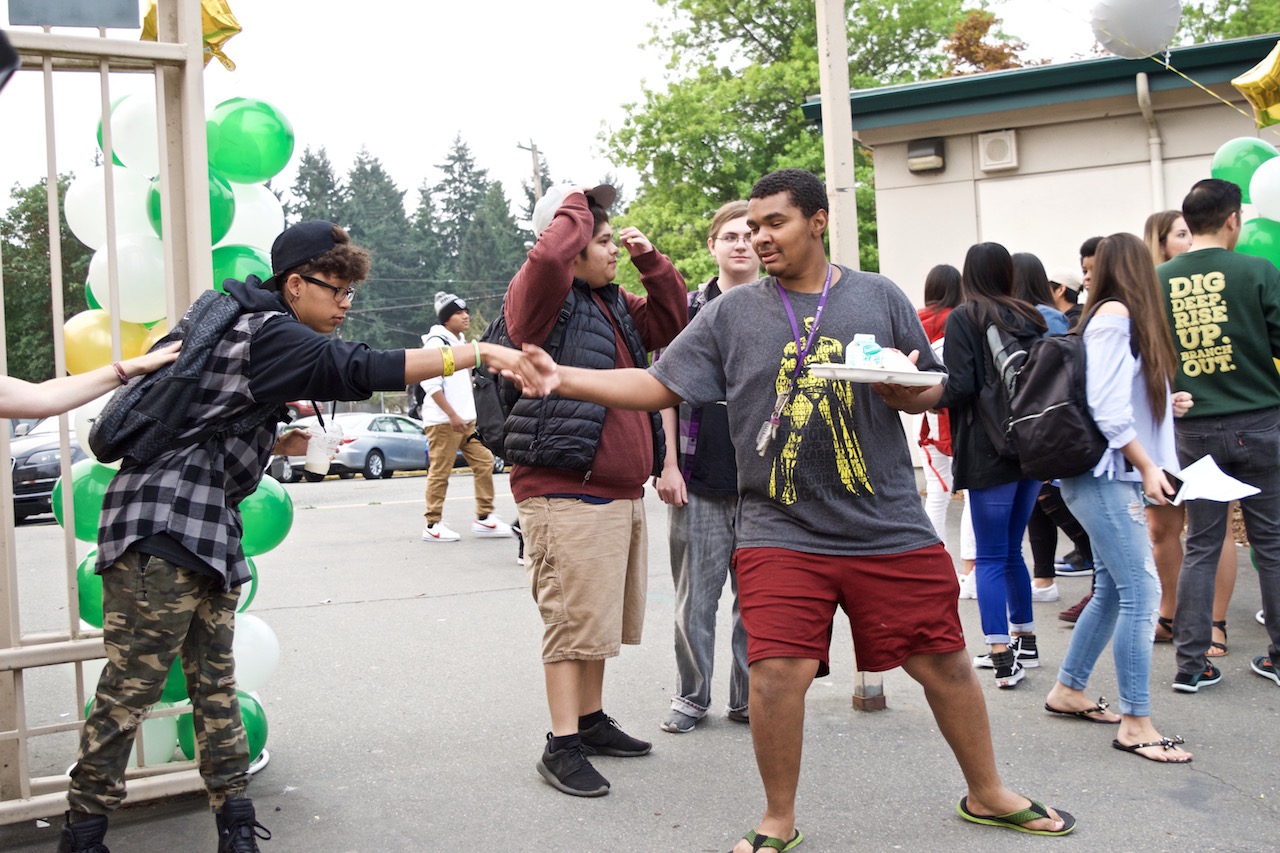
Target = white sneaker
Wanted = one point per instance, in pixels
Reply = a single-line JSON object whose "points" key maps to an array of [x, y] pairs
{"points": [[491, 525], [1046, 593], [969, 585], [438, 532]]}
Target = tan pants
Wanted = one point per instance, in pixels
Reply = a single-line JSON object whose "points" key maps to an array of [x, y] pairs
{"points": [[444, 444]]}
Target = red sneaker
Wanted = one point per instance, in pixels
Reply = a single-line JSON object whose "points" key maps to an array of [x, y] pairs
{"points": [[1071, 614]]}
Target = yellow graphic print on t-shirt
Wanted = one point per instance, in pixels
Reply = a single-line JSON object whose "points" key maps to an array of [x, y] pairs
{"points": [[833, 403], [1199, 310]]}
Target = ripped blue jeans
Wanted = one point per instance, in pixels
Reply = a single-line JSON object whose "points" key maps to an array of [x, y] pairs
{"points": [[1126, 589]]}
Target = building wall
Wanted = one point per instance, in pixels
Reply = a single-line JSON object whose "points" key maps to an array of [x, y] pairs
{"points": [[1083, 169]]}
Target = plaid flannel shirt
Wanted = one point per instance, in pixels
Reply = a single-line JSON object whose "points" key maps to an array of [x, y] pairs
{"points": [[192, 493]]}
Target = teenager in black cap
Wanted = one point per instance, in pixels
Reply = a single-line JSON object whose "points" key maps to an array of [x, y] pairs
{"points": [[169, 549]]}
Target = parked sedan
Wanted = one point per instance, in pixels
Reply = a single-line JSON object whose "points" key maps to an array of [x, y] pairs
{"points": [[375, 445], [36, 467]]}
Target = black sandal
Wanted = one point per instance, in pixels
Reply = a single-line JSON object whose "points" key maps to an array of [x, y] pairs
{"points": [[1166, 623], [1214, 644]]}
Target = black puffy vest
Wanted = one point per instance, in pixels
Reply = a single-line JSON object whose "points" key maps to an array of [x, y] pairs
{"points": [[555, 432]]}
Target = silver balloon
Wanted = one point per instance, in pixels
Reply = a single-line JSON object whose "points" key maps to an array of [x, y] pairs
{"points": [[1135, 29]]}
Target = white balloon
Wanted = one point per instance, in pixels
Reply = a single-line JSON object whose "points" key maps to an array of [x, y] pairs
{"points": [[86, 205], [256, 650], [259, 217], [134, 136], [140, 261], [1135, 29], [82, 420], [1264, 189], [159, 738]]}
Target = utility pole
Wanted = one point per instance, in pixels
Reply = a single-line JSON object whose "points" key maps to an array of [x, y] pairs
{"points": [[532, 148]]}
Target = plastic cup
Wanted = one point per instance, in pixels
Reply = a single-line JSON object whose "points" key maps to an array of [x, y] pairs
{"points": [[321, 448]]}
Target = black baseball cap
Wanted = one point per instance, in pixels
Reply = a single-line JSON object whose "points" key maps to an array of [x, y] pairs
{"points": [[298, 245]]}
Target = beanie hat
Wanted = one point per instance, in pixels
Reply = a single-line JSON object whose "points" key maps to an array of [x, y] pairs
{"points": [[448, 304]]}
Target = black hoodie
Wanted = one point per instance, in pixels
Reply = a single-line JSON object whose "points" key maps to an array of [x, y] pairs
{"points": [[289, 361]]}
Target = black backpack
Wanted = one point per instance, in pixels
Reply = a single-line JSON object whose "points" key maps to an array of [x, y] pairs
{"points": [[494, 394], [144, 418], [998, 386], [1051, 425]]}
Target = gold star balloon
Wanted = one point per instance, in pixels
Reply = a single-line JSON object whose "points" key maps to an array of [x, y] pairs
{"points": [[217, 23], [1260, 86]]}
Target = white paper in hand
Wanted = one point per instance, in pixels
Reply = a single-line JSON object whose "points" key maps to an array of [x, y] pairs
{"points": [[1203, 480]]}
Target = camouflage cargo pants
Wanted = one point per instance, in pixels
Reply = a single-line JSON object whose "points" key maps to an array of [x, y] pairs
{"points": [[153, 611]]}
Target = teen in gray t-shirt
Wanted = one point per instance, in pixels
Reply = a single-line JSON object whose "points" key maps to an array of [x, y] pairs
{"points": [[837, 479]]}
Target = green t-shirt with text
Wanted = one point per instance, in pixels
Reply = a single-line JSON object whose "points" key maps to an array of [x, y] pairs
{"points": [[1224, 312]]}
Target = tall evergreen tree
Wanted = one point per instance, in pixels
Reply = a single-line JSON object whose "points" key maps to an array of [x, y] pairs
{"points": [[317, 192], [492, 252], [28, 304], [432, 268], [376, 220], [458, 196]]}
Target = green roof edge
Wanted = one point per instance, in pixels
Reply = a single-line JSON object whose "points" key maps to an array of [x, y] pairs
{"points": [[1045, 85]]}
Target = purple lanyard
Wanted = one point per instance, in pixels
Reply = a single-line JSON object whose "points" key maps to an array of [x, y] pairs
{"points": [[803, 346]]}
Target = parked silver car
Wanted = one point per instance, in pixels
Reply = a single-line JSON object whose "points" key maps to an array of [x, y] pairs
{"points": [[375, 445]]}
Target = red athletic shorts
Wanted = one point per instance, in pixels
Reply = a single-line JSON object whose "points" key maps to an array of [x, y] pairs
{"points": [[899, 605]]}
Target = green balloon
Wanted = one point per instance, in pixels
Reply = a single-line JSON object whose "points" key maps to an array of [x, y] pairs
{"points": [[90, 299], [249, 140], [246, 598], [267, 515], [222, 206], [1261, 238], [1237, 159], [89, 584], [175, 683], [239, 262], [115, 102], [251, 715], [89, 480]]}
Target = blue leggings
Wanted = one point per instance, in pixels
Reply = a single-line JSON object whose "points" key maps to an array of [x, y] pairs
{"points": [[1000, 515]]}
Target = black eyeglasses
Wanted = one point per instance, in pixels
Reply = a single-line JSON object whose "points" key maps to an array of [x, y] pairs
{"points": [[340, 294]]}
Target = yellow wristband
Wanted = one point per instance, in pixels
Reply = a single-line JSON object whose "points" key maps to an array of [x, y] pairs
{"points": [[477, 346], [446, 354]]}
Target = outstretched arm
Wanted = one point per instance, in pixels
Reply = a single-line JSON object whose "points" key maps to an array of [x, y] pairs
{"points": [[623, 388], [20, 399]]}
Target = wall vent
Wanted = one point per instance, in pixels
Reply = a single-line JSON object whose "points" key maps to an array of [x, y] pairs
{"points": [[998, 151]]}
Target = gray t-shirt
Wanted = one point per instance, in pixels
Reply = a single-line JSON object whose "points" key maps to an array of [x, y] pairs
{"points": [[837, 479]]}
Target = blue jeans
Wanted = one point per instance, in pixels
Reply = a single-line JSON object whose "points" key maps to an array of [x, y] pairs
{"points": [[1000, 515], [701, 540], [1247, 447], [1126, 592]]}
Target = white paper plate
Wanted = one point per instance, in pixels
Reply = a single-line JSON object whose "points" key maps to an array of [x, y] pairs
{"points": [[922, 378]]}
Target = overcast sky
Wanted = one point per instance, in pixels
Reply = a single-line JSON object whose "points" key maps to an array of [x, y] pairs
{"points": [[403, 78]]}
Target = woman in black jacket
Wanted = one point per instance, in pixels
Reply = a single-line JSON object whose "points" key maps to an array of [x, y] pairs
{"points": [[1001, 499]]}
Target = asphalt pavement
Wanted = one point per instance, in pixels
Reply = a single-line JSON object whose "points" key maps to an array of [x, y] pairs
{"points": [[408, 712]]}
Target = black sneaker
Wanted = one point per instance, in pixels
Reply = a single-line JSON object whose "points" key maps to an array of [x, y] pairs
{"points": [[608, 738], [1008, 671], [1024, 648], [1264, 667], [238, 827], [1191, 682], [568, 770], [85, 835]]}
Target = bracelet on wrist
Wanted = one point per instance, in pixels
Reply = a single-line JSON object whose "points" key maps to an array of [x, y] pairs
{"points": [[446, 355], [478, 363], [120, 374]]}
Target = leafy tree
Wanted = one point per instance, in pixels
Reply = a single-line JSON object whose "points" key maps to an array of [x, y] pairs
{"points": [[735, 114], [28, 304], [376, 219], [973, 47], [458, 196], [1213, 20], [316, 191]]}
